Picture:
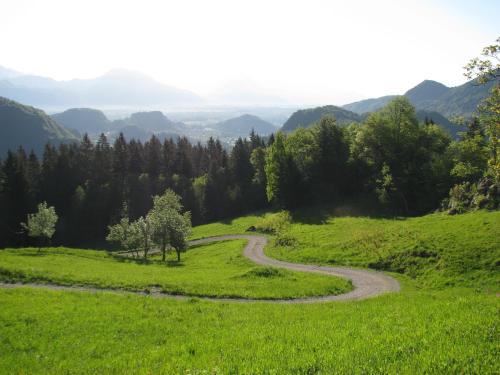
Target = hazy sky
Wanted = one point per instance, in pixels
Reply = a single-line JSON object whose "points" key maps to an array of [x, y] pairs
{"points": [[309, 51]]}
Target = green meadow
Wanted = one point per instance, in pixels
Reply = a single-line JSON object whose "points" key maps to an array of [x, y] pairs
{"points": [[213, 270], [445, 320]]}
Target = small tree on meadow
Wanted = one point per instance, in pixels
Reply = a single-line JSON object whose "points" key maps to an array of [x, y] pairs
{"points": [[42, 224], [179, 231], [126, 235], [142, 229], [169, 226]]}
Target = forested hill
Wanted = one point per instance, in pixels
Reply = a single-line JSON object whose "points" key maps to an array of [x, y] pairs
{"points": [[394, 163], [29, 127], [244, 125], [434, 117], [83, 120], [306, 117], [433, 96]]}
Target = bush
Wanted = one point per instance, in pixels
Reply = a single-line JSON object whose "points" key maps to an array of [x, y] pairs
{"points": [[274, 223], [471, 196], [264, 272], [285, 240]]}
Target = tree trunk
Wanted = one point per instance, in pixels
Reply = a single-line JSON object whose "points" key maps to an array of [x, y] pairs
{"points": [[405, 202], [178, 255], [163, 248]]}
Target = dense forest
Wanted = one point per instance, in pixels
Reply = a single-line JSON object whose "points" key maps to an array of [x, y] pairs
{"points": [[405, 166]]}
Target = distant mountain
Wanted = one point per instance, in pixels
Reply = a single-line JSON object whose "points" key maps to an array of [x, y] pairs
{"points": [[369, 105], [426, 92], [6, 73], [307, 117], [440, 120], [243, 125], [21, 125], [153, 121], [118, 87], [434, 96], [140, 134], [459, 101], [83, 120]]}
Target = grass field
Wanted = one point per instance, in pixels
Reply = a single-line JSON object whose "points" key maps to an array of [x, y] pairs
{"points": [[407, 333], [216, 270], [436, 250], [444, 321]]}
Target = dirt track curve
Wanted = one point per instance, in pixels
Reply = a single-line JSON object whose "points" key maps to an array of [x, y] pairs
{"points": [[366, 283]]}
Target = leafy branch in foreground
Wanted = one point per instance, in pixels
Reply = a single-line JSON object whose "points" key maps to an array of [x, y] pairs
{"points": [[487, 68]]}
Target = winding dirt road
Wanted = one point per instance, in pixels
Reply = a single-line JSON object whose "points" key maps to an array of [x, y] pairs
{"points": [[366, 283]]}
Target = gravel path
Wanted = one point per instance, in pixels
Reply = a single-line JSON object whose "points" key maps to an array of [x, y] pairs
{"points": [[366, 283]]}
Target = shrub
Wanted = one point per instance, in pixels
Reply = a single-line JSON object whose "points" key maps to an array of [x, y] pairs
{"points": [[264, 272], [274, 223], [285, 239]]}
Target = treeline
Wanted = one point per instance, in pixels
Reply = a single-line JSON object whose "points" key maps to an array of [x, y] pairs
{"points": [[89, 184], [405, 166]]}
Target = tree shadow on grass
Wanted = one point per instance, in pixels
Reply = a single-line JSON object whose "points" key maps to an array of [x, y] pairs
{"points": [[32, 254], [361, 206], [174, 263]]}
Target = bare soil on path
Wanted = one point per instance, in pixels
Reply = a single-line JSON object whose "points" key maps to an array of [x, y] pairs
{"points": [[366, 283]]}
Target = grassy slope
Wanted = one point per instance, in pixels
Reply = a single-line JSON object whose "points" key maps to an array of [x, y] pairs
{"points": [[420, 330], [217, 269], [407, 333], [436, 250]]}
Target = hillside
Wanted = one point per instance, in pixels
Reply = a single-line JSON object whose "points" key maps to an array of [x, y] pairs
{"points": [[434, 96], [369, 105], [307, 117], [459, 101], [450, 127], [117, 87], [21, 125], [83, 120], [433, 251], [426, 92], [152, 121], [243, 125]]}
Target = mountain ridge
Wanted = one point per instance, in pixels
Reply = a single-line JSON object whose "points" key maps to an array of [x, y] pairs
{"points": [[244, 124], [433, 96], [30, 127], [117, 87]]}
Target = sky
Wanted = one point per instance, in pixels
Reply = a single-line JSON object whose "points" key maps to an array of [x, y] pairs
{"points": [[311, 51]]}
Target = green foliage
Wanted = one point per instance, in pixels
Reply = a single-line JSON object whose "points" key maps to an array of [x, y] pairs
{"points": [[142, 228], [42, 224], [487, 68], [274, 223], [265, 272], [278, 225], [169, 226], [285, 239], [307, 117], [408, 161], [469, 196], [280, 174], [218, 270], [125, 234]]}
